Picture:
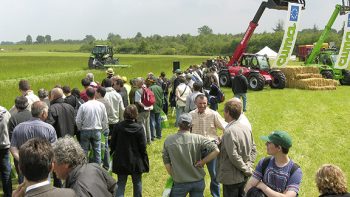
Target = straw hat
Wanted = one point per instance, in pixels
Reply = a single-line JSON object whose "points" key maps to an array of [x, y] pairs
{"points": [[110, 71]]}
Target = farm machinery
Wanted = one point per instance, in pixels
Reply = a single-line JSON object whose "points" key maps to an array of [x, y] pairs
{"points": [[255, 67], [100, 56], [325, 58]]}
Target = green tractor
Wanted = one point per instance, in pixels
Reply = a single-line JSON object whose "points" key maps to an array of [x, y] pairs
{"points": [[101, 56], [325, 58]]}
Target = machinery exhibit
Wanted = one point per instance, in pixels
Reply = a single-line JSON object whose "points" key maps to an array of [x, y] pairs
{"points": [[255, 67], [324, 55]]}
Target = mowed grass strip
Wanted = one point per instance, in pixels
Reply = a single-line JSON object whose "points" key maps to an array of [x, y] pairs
{"points": [[317, 120]]}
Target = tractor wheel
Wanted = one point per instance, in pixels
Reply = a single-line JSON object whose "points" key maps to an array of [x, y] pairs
{"points": [[278, 80], [224, 79], [327, 74], [91, 63], [256, 81], [346, 79]]}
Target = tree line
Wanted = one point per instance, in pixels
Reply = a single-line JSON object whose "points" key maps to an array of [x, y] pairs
{"points": [[205, 43]]}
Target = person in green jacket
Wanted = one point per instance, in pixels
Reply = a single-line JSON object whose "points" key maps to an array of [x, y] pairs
{"points": [[155, 120]]}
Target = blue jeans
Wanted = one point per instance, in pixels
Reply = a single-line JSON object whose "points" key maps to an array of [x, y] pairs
{"points": [[179, 112], [5, 169], [244, 98], [214, 185], [156, 125], [195, 189], [136, 181], [106, 156], [92, 137]]}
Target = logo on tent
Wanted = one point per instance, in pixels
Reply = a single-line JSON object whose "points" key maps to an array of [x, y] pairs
{"points": [[348, 20]]}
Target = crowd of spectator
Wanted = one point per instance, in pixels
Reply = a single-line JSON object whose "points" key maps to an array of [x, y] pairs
{"points": [[73, 136]]}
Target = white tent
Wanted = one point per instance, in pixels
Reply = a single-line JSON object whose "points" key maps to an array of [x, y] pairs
{"points": [[267, 51]]}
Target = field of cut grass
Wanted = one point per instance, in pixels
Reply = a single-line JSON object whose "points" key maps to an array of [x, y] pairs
{"points": [[317, 120]]}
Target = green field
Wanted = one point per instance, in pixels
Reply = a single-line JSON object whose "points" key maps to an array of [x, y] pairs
{"points": [[317, 120]]}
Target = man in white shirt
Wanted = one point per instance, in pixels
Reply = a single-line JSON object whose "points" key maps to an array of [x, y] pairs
{"points": [[116, 102], [181, 93], [91, 121]]}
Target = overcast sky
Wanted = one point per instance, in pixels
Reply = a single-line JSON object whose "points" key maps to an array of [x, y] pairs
{"points": [[73, 19]]}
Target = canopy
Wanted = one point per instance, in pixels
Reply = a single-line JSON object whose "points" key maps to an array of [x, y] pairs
{"points": [[267, 51]]}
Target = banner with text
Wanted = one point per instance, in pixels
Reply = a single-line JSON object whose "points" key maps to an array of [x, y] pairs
{"points": [[290, 35], [344, 53]]}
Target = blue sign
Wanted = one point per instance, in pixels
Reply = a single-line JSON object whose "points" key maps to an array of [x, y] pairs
{"points": [[294, 13], [348, 20]]}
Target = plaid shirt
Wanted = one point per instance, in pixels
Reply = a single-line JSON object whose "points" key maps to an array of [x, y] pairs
{"points": [[207, 123]]}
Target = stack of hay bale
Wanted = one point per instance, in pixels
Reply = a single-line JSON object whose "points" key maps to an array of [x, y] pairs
{"points": [[307, 78]]}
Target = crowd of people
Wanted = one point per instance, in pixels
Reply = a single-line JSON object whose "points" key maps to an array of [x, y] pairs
{"points": [[71, 136]]}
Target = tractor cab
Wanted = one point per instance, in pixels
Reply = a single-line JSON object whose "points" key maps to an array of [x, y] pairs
{"points": [[327, 57], [101, 55], [102, 51], [256, 62]]}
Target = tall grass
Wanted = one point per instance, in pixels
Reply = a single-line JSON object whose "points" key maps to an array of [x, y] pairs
{"points": [[317, 120]]}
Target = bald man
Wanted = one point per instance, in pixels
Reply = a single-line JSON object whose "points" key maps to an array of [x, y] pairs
{"points": [[61, 114]]}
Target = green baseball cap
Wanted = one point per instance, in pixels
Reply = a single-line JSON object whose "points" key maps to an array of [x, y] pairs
{"points": [[280, 138]]}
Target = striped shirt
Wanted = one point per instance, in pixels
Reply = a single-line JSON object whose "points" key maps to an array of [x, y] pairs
{"points": [[278, 178], [207, 123], [31, 129]]}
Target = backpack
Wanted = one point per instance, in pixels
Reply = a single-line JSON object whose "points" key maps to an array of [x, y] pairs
{"points": [[267, 161], [148, 98], [254, 191], [220, 96]]}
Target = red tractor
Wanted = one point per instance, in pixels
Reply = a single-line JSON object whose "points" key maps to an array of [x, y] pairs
{"points": [[257, 70], [255, 67]]}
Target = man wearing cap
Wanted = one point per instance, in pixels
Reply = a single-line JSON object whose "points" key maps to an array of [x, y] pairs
{"points": [[205, 122], [274, 175], [237, 152], [110, 74], [126, 85], [189, 80], [23, 114], [184, 160]]}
